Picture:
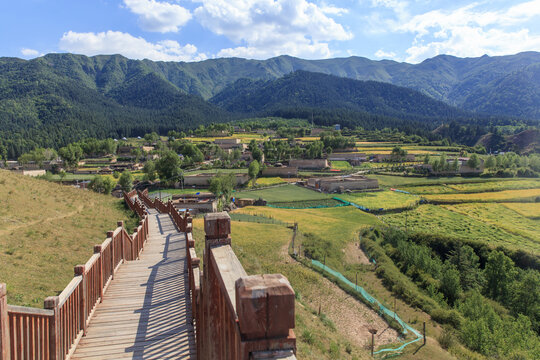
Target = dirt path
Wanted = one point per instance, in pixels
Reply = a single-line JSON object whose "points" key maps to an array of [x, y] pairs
{"points": [[39, 221], [352, 318], [355, 255]]}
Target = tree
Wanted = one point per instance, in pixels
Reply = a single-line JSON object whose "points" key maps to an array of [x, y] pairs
{"points": [[490, 163], [426, 159], [152, 137], [500, 273], [168, 166], [126, 181], [3, 154], [455, 165], [473, 161], [150, 170], [526, 297], [222, 186], [62, 175], [102, 185], [450, 283], [468, 265], [398, 154], [253, 171], [257, 154], [71, 154]]}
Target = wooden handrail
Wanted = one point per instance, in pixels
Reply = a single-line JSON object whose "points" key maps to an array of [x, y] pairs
{"points": [[54, 332]]}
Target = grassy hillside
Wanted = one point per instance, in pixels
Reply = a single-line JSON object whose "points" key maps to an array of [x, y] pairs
{"points": [[45, 230]]}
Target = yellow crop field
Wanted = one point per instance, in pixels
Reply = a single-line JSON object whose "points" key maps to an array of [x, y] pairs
{"points": [[434, 219], [497, 185], [499, 216], [529, 210], [507, 195], [267, 181], [45, 230], [381, 199], [341, 224]]}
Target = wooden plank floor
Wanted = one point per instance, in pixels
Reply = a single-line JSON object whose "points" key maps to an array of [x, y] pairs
{"points": [[146, 312]]}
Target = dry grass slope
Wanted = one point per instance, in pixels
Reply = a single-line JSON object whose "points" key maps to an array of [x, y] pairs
{"points": [[45, 230]]}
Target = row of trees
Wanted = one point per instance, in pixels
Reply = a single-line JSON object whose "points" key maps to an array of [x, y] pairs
{"points": [[461, 282]]}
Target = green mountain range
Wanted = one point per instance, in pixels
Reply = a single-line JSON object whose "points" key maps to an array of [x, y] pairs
{"points": [[59, 98]]}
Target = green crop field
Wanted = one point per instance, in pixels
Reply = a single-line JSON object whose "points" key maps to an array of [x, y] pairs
{"points": [[495, 185], [286, 193], [381, 199], [527, 195], [341, 165], [499, 216], [434, 219], [400, 181]]}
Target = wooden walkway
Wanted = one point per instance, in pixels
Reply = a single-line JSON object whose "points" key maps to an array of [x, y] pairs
{"points": [[146, 311]]}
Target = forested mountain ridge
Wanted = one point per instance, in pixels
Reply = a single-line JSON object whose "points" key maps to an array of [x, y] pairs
{"points": [[303, 89], [500, 85], [51, 107]]}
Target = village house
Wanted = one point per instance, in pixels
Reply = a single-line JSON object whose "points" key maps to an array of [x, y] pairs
{"points": [[310, 164], [201, 203], [342, 183], [281, 171], [230, 144]]}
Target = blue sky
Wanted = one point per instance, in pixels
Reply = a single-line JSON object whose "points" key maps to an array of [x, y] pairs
{"points": [[193, 30]]}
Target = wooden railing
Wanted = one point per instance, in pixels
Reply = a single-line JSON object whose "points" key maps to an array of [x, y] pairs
{"points": [[54, 332], [239, 316], [236, 316]]}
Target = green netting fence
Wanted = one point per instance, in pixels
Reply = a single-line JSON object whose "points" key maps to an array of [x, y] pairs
{"points": [[382, 309]]}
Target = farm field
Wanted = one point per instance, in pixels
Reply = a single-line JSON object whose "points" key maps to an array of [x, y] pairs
{"points": [[268, 181], [286, 193], [527, 195], [47, 229], [400, 181], [473, 187], [499, 216], [529, 210], [263, 248], [434, 219], [386, 200], [341, 165]]}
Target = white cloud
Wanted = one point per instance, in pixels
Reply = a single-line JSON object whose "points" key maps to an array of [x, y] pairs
{"points": [[159, 16], [29, 52], [470, 31], [383, 54], [116, 42], [266, 28]]}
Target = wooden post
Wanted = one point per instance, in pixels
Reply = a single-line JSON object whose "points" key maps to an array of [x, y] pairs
{"points": [[99, 250], [424, 333], [51, 303], [4, 324], [121, 224], [395, 308], [110, 235], [372, 343], [356, 282], [80, 270]]}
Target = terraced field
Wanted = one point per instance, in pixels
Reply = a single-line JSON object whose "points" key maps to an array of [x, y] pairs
{"points": [[499, 216], [485, 223], [529, 210], [386, 200], [284, 193], [527, 195]]}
